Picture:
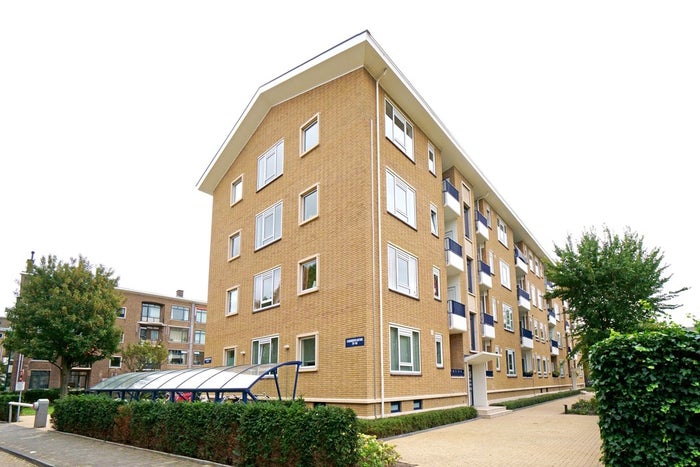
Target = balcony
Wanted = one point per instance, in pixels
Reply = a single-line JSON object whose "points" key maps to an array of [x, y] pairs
{"points": [[482, 227], [450, 199], [485, 281], [457, 317], [520, 263], [489, 331], [551, 318], [555, 347], [567, 328], [453, 256], [526, 339], [523, 300]]}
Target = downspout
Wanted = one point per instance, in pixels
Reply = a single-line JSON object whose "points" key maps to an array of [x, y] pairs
{"points": [[379, 252]]}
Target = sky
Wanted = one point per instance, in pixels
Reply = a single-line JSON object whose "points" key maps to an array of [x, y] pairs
{"points": [[581, 114]]}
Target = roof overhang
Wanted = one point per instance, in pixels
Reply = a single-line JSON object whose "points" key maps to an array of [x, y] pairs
{"points": [[480, 357]]}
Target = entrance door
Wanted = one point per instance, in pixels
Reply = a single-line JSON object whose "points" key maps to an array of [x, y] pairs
{"points": [[471, 385]]}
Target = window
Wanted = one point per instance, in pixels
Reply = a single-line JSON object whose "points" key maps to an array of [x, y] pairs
{"points": [[470, 276], [395, 406], [502, 232], [431, 159], [400, 199], [467, 221], [199, 337], [230, 356], [265, 350], [198, 357], [115, 362], [179, 335], [232, 301], [271, 164], [200, 315], [266, 286], [403, 272], [39, 379], [439, 362], [510, 362], [180, 313], [398, 130], [308, 207], [268, 226], [307, 349], [539, 366], [405, 350], [236, 190], [121, 312], [234, 245], [433, 220], [417, 405], [149, 334], [309, 135], [436, 283], [505, 274], [498, 359], [177, 357], [507, 317], [121, 337], [150, 313], [494, 308], [308, 272]]}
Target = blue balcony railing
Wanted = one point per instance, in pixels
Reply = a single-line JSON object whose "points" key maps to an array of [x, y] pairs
{"points": [[523, 294], [481, 218], [485, 268], [526, 333], [456, 308], [454, 247], [551, 313], [457, 372], [488, 319], [489, 373], [519, 255], [555, 344], [450, 188]]}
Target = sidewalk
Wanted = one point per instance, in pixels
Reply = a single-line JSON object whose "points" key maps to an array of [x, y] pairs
{"points": [[540, 435]]}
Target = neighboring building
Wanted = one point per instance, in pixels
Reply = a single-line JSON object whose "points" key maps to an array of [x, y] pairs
{"points": [[179, 323], [351, 232]]}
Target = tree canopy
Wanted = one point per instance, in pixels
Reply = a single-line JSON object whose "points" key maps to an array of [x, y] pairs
{"points": [[610, 283], [65, 313], [144, 356]]}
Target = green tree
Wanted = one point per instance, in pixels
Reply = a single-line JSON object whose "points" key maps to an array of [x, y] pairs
{"points": [[610, 283], [144, 356], [65, 314]]}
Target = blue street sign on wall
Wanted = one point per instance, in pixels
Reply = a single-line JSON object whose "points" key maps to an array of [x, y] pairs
{"points": [[355, 341]]}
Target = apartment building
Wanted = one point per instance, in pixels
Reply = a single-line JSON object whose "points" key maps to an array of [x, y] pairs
{"points": [[352, 233], [176, 322]]}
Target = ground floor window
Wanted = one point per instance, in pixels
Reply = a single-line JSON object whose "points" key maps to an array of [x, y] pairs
{"points": [[405, 349], [510, 362], [198, 357], [39, 379], [265, 350], [308, 349], [115, 362], [177, 357]]}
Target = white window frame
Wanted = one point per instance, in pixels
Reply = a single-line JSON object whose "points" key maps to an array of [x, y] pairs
{"points": [[494, 308], [394, 120], [301, 290], [233, 350], [271, 165], [261, 341], [230, 308], [431, 159], [237, 190], [434, 229], [300, 351], [439, 351], [398, 261], [182, 353], [511, 369], [437, 283], [303, 216], [396, 190], [113, 357], [259, 282], [507, 317], [498, 359], [264, 238], [505, 274], [306, 147], [180, 331], [411, 364], [200, 315], [502, 232], [121, 314], [232, 240]]}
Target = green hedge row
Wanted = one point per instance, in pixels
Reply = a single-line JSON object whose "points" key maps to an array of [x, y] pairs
{"points": [[648, 392], [266, 433], [527, 401], [4, 407], [401, 424]]}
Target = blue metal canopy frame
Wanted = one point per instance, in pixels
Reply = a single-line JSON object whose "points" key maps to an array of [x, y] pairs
{"points": [[189, 384]]}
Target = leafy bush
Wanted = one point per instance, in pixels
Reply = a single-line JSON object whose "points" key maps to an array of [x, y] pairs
{"points": [[32, 395], [585, 407], [375, 453], [528, 401], [5, 399], [85, 415], [401, 424], [648, 391]]}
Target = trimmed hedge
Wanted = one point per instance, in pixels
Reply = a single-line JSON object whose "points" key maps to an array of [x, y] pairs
{"points": [[5, 399], [401, 424], [528, 401], [648, 392], [263, 433]]}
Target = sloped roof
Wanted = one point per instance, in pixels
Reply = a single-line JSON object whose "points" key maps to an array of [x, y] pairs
{"points": [[361, 51]]}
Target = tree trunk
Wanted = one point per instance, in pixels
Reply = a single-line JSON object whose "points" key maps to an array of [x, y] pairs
{"points": [[65, 376]]}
